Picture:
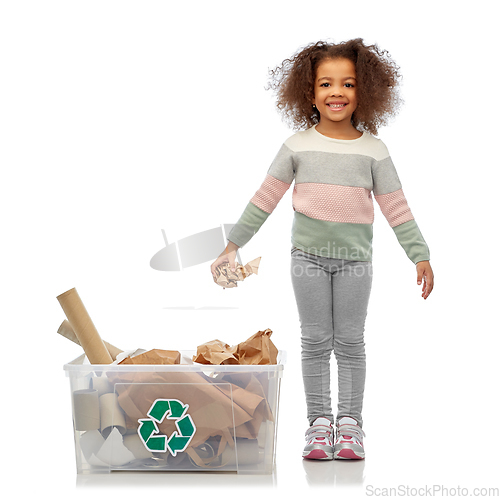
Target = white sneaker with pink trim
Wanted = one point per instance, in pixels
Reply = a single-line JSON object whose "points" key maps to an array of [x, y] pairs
{"points": [[319, 440], [349, 443]]}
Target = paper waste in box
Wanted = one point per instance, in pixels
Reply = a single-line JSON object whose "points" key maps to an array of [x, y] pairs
{"points": [[215, 409], [175, 416]]}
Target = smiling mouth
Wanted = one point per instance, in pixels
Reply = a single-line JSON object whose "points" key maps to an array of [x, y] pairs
{"points": [[337, 106]]}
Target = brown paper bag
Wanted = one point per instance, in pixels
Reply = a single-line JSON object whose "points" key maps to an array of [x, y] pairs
{"points": [[256, 350]]}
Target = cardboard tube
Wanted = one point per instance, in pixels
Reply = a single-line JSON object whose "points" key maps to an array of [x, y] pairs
{"points": [[86, 410], [66, 331], [83, 327], [101, 384], [111, 414], [113, 351]]}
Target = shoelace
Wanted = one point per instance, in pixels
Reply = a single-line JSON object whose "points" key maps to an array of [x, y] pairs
{"points": [[319, 431], [351, 430]]}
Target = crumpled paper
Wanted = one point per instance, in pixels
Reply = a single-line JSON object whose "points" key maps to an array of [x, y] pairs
{"points": [[215, 352], [227, 278], [256, 350], [154, 357]]}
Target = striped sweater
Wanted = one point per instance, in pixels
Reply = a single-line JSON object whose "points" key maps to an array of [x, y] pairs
{"points": [[332, 197]]}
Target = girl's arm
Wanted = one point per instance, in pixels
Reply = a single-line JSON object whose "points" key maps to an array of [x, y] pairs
{"points": [[389, 195], [393, 204], [277, 181]]}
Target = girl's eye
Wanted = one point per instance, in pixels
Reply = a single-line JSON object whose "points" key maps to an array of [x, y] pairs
{"points": [[327, 84]]}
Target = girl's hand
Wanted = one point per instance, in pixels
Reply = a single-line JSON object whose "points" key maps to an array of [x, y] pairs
{"points": [[228, 255], [424, 271]]}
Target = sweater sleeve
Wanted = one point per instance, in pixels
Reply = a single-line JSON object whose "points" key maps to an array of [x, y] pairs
{"points": [[277, 181], [388, 192]]}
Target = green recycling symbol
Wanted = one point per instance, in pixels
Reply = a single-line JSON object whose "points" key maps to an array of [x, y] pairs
{"points": [[173, 409]]}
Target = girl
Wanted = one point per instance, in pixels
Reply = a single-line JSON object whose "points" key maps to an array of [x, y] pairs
{"points": [[337, 96]]}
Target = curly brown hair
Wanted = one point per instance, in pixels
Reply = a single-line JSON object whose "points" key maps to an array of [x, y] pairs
{"points": [[377, 84]]}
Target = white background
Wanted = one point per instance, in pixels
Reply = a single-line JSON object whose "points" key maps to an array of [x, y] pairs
{"points": [[119, 119]]}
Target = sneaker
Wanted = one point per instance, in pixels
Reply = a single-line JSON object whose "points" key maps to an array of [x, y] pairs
{"points": [[319, 440], [349, 443]]}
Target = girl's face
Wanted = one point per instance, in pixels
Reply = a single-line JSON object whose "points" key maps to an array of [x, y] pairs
{"points": [[335, 91]]}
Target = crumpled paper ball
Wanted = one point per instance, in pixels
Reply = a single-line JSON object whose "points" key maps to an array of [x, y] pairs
{"points": [[227, 278]]}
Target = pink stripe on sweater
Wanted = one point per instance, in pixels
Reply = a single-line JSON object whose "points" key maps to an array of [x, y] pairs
{"points": [[333, 203], [394, 207], [269, 194]]}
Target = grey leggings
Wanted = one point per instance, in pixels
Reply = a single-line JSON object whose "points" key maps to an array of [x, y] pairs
{"points": [[332, 299]]}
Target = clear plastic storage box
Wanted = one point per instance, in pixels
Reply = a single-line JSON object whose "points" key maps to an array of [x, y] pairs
{"points": [[185, 417]]}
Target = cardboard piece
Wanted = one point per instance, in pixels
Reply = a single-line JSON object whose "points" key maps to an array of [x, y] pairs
{"points": [[256, 350], [67, 331], [154, 357], [90, 443], [113, 451], [227, 278], [84, 328]]}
